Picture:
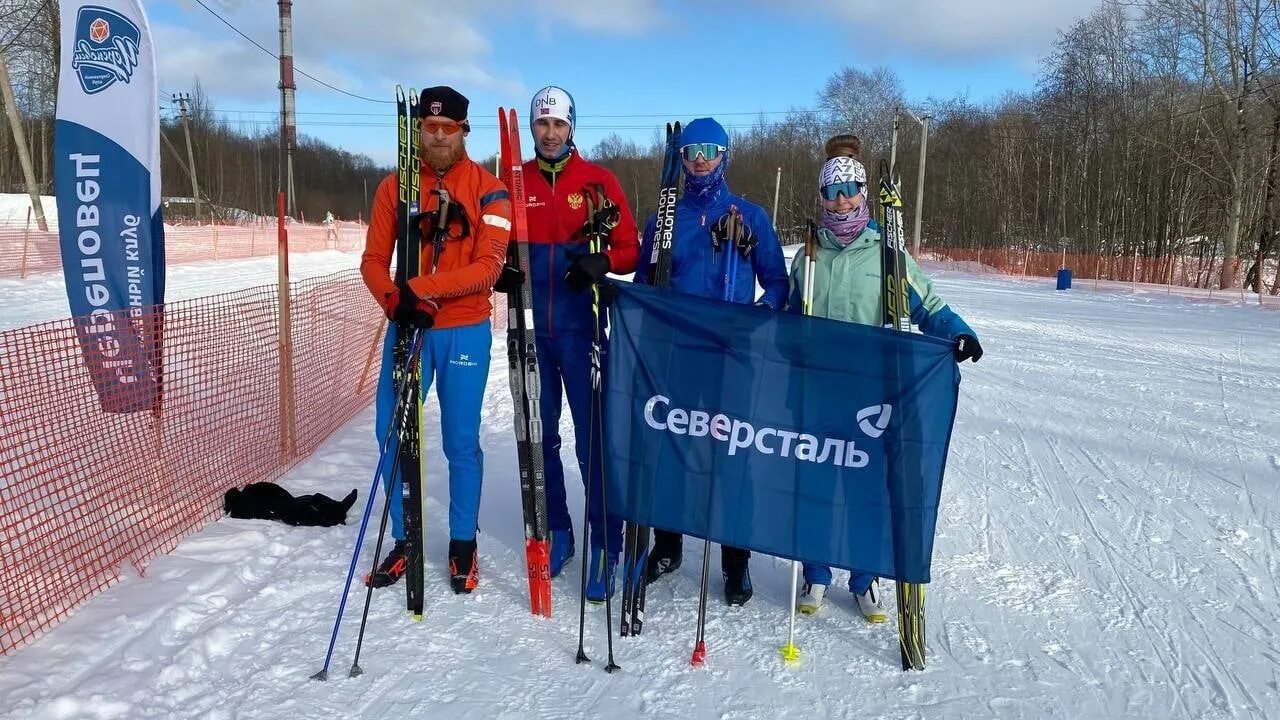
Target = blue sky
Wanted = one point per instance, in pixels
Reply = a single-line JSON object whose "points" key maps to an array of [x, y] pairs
{"points": [[630, 64]]}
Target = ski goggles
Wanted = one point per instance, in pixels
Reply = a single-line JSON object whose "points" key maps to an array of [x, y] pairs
{"points": [[709, 151], [431, 127], [849, 189]]}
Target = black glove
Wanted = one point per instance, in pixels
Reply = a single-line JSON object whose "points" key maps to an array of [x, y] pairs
{"points": [[586, 270], [608, 292], [411, 310], [731, 230], [511, 279], [968, 348], [603, 214]]}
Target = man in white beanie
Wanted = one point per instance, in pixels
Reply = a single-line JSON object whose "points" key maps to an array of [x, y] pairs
{"points": [[569, 200]]}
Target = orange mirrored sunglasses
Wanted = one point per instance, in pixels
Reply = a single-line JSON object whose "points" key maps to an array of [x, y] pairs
{"points": [[449, 127]]}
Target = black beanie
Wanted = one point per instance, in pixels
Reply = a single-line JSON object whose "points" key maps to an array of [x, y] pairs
{"points": [[443, 101]]}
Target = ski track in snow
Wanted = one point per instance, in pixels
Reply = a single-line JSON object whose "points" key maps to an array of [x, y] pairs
{"points": [[1106, 547]]}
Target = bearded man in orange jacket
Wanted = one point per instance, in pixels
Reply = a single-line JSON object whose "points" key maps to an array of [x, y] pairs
{"points": [[450, 296]]}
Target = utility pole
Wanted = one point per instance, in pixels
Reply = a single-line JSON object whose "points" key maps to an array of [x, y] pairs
{"points": [[924, 148], [288, 116], [20, 139], [288, 132], [182, 99], [777, 185], [893, 143]]}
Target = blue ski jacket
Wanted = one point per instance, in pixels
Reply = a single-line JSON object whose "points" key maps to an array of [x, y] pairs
{"points": [[699, 269]]}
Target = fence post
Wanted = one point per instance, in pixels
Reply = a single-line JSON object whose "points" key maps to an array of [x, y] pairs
{"points": [[288, 421], [215, 237], [1135, 270], [368, 361], [1262, 266]]}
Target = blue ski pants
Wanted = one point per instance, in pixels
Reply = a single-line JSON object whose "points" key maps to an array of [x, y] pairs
{"points": [[821, 575], [564, 368], [457, 359]]}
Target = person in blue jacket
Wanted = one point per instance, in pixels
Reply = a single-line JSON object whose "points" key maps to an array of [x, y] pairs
{"points": [[719, 236]]}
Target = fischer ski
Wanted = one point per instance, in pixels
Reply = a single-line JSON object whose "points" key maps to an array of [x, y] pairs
{"points": [[897, 309], [408, 266]]}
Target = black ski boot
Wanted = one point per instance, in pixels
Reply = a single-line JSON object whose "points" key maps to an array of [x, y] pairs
{"points": [[391, 569], [737, 577], [464, 568], [665, 555]]}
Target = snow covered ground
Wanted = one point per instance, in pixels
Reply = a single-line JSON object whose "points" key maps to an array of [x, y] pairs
{"points": [[43, 296], [1107, 548], [16, 210]]}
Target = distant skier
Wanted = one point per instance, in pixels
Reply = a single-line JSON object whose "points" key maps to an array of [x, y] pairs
{"points": [[330, 230], [705, 239], [847, 287]]}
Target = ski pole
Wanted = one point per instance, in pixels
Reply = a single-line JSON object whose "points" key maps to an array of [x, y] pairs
{"points": [[730, 283], [356, 670], [593, 245], [401, 392], [791, 653]]}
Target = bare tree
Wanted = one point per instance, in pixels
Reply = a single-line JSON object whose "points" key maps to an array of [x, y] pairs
{"points": [[863, 102]]}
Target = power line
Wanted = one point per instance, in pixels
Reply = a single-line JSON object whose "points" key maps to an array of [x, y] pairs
{"points": [[390, 123], [795, 111], [295, 67], [662, 117]]}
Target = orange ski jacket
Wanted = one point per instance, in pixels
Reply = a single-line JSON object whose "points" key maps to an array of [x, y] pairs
{"points": [[473, 252]]}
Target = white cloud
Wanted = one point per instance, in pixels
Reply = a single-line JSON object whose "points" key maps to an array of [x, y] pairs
{"points": [[621, 17], [976, 29], [226, 68], [363, 47]]}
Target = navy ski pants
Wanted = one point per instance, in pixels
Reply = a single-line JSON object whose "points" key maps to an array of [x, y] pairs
{"points": [[564, 367]]}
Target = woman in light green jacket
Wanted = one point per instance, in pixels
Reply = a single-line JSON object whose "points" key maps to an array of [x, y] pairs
{"points": [[847, 287]]}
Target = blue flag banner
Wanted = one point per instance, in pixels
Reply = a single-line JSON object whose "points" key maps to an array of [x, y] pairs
{"points": [[800, 437], [107, 181]]}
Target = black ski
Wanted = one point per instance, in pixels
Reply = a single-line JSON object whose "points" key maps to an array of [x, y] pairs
{"points": [[408, 266], [635, 545]]}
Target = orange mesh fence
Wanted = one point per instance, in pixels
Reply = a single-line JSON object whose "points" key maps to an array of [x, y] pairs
{"points": [[1190, 276], [86, 494], [25, 250]]}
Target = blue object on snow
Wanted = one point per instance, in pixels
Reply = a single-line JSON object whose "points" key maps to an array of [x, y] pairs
{"points": [[1064, 279]]}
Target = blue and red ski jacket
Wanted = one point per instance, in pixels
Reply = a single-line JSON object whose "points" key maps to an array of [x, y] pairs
{"points": [[557, 211]]}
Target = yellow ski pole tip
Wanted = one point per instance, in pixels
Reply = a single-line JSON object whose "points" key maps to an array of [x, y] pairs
{"points": [[790, 654]]}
